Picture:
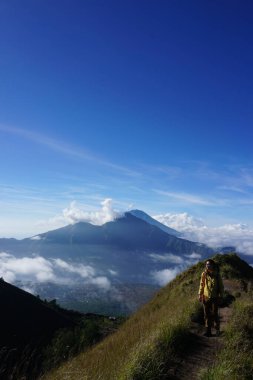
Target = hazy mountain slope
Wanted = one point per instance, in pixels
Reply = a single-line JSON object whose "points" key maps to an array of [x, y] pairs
{"points": [[148, 345]]}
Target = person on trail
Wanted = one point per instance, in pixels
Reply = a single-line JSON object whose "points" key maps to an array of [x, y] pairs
{"points": [[211, 291]]}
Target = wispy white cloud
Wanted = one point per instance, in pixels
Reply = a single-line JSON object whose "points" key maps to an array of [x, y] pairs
{"points": [[170, 172], [190, 198], [84, 271], [167, 258], [246, 176], [194, 255], [232, 189], [66, 149]]}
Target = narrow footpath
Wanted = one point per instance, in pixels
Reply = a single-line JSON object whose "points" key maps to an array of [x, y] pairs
{"points": [[202, 351]]}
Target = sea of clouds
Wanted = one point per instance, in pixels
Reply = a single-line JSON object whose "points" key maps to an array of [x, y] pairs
{"points": [[39, 269]]}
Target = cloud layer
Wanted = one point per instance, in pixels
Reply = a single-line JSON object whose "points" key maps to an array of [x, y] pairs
{"points": [[238, 235], [39, 269]]}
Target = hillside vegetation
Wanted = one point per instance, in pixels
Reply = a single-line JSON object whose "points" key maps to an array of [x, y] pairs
{"points": [[151, 343], [37, 335]]}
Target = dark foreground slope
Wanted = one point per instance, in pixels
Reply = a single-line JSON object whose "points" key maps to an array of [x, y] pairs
{"points": [[26, 325], [156, 339], [34, 335]]}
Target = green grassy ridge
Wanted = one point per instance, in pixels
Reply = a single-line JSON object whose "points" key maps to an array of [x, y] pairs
{"points": [[235, 361], [154, 335], [113, 357]]}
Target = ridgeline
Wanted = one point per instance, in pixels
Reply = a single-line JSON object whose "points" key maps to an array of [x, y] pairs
{"points": [[163, 340]]}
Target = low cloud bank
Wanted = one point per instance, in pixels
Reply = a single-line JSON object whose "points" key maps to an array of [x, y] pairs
{"points": [[58, 271], [238, 235], [164, 276]]}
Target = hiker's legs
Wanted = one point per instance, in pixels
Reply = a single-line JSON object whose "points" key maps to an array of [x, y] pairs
{"points": [[208, 315], [216, 314]]}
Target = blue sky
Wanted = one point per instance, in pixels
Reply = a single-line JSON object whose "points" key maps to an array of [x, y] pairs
{"points": [[148, 103]]}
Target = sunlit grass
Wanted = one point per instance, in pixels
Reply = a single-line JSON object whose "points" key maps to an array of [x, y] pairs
{"points": [[155, 328], [150, 340]]}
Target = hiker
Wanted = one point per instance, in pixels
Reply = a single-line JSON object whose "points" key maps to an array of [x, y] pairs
{"points": [[210, 294]]}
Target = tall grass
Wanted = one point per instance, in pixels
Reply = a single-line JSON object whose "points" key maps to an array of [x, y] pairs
{"points": [[146, 342], [153, 359]]}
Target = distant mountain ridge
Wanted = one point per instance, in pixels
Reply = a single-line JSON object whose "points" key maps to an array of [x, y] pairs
{"points": [[129, 246]]}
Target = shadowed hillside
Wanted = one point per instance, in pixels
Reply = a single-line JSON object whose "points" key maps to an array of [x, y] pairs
{"points": [[154, 343], [36, 335]]}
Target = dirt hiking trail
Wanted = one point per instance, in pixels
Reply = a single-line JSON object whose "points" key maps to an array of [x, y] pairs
{"points": [[202, 351]]}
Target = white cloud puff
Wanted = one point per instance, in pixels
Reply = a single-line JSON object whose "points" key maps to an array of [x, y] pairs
{"points": [[163, 277], [102, 282], [113, 272], [74, 214], [238, 235], [39, 269], [35, 238]]}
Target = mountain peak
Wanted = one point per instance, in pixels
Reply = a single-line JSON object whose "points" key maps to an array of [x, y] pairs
{"points": [[147, 218]]}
